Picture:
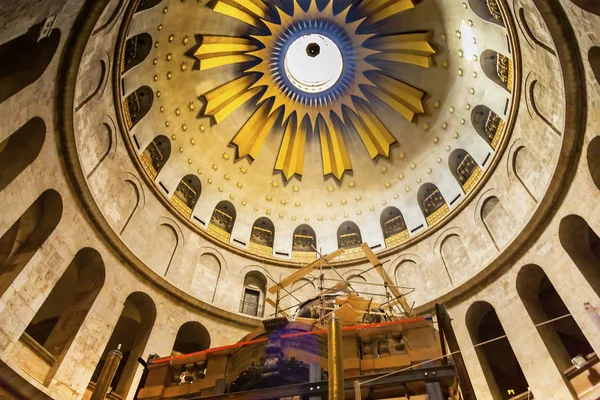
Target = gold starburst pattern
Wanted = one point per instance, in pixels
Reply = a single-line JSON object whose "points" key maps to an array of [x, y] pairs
{"points": [[303, 110]]}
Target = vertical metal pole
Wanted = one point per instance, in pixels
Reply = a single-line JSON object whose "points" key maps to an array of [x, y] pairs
{"points": [[314, 375], [357, 394], [334, 359], [108, 373]]}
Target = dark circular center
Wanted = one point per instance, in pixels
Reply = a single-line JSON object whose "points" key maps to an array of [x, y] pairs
{"points": [[313, 49]]}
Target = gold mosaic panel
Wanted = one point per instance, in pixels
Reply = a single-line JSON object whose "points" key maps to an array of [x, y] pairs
{"points": [[349, 254], [181, 206], [498, 135], [147, 164], [127, 116], [397, 238], [304, 256], [511, 74], [438, 215], [261, 250], [219, 233], [473, 179]]}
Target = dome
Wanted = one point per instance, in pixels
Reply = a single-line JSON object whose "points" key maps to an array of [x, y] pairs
{"points": [[167, 165]]}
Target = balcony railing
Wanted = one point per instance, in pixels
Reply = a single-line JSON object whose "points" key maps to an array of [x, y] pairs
{"points": [[250, 308]]}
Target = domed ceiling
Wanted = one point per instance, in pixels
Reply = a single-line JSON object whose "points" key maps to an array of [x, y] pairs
{"points": [[302, 112]]}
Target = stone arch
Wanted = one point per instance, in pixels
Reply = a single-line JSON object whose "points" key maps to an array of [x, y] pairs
{"points": [[464, 169], [156, 155], [530, 25], [131, 331], [409, 280], [528, 171], [582, 244], [102, 81], [206, 277], [137, 105], [26, 236], [303, 289], [359, 283], [191, 337], [488, 125], [222, 220], [133, 183], [594, 60], [536, 91], [348, 235], [393, 226], [64, 311], [304, 239], [455, 258], [591, 6], [563, 338], [498, 68], [136, 50], [186, 194], [111, 19], [20, 149], [24, 60], [495, 219], [172, 237], [500, 366], [254, 294], [108, 128], [487, 10], [146, 5], [432, 203], [262, 237], [593, 159]]}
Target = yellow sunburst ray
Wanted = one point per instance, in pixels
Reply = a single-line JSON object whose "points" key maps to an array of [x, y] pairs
{"points": [[250, 139], [222, 101], [248, 11], [412, 48], [404, 98], [334, 153], [381, 9], [216, 51], [290, 160], [373, 133]]}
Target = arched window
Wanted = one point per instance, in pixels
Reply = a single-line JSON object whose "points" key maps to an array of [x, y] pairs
{"points": [[137, 105], [563, 338], [432, 203], [253, 297], [498, 68], [582, 244], [262, 237], [593, 159], [20, 149], [131, 332], [497, 358], [137, 49], [60, 317], [25, 59], [24, 238], [588, 5], [594, 59], [187, 194], [464, 169], [348, 236], [146, 5], [156, 155], [393, 226], [191, 337], [487, 10], [222, 221], [304, 243], [488, 125]]}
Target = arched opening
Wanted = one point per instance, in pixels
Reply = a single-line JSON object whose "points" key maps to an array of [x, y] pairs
{"points": [[588, 5], [187, 194], [137, 49], [464, 169], [563, 337], [262, 237], [191, 337], [349, 236], [222, 220], [131, 332], [582, 244], [146, 5], [432, 203], [593, 159], [137, 105], [156, 155], [498, 68], [253, 296], [54, 326], [410, 280], [487, 10], [594, 59], [393, 226], [488, 125], [360, 286], [304, 243], [24, 238], [25, 59], [20, 149], [206, 277], [500, 367], [496, 221]]}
